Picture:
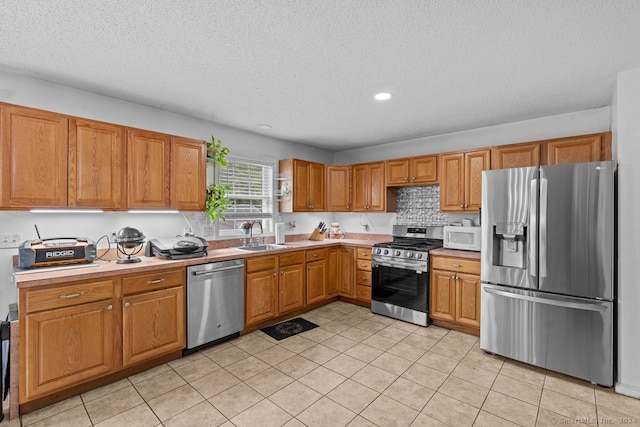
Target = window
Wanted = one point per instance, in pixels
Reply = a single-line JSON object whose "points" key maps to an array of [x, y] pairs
{"points": [[251, 196]]}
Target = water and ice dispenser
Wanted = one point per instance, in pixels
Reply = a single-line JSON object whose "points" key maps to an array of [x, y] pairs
{"points": [[510, 244]]}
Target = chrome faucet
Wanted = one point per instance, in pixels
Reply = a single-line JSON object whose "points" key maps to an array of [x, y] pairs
{"points": [[251, 243]]}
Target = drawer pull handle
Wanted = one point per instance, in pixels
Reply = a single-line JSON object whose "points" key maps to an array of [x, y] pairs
{"points": [[363, 278], [79, 294], [154, 282], [456, 265], [316, 255]]}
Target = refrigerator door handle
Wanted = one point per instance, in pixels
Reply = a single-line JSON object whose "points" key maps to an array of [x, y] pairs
{"points": [[543, 227], [533, 220], [557, 301]]}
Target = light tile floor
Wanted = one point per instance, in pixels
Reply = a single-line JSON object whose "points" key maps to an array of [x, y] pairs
{"points": [[356, 369]]}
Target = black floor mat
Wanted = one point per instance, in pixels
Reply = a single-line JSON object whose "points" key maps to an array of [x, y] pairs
{"points": [[289, 328]]}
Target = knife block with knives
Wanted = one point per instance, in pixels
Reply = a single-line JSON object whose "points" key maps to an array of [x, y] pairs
{"points": [[318, 233]]}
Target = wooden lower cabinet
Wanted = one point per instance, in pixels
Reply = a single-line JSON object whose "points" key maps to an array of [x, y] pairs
{"points": [[341, 273], [317, 279], [65, 347], [261, 290], [81, 331], [363, 274], [455, 293], [291, 286], [153, 324], [274, 285]]}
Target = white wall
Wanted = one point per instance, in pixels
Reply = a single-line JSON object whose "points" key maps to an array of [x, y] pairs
{"points": [[578, 123], [626, 134], [21, 90]]}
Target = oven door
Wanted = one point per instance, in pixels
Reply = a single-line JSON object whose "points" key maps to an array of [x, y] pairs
{"points": [[401, 286]]}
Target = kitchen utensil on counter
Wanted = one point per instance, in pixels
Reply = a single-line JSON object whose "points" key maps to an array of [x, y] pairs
{"points": [[131, 239], [280, 233]]}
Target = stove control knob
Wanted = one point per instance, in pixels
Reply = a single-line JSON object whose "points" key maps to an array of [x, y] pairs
{"points": [[378, 250], [397, 253], [409, 254], [386, 252], [419, 256]]}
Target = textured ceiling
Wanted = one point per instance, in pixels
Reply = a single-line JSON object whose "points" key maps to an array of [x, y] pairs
{"points": [[310, 68]]}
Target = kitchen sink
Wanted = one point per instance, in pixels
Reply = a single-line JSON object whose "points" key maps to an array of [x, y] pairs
{"points": [[262, 248]]}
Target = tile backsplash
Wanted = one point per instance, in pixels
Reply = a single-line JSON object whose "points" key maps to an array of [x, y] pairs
{"points": [[420, 206]]}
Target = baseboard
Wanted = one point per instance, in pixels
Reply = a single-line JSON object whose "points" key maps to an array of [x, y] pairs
{"points": [[628, 390]]}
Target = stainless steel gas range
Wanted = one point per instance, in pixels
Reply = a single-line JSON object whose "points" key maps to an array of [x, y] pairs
{"points": [[400, 279]]}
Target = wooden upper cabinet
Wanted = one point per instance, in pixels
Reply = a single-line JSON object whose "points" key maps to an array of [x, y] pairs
{"points": [[96, 164], [424, 170], [397, 172], [586, 148], [338, 188], [33, 152], [308, 193], [461, 179], [188, 174], [414, 170], [515, 156], [369, 190], [148, 169]]}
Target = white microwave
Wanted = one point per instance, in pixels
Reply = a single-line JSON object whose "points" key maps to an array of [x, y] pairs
{"points": [[466, 238]]}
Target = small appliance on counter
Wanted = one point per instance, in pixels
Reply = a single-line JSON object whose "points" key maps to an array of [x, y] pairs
{"points": [[129, 239], [56, 251], [180, 247]]}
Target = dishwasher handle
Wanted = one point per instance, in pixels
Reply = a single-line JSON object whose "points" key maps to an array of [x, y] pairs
{"points": [[207, 272]]}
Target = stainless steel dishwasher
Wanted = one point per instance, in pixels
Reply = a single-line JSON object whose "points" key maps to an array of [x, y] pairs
{"points": [[215, 302]]}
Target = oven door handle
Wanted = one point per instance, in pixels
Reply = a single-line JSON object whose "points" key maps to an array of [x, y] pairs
{"points": [[417, 268]]}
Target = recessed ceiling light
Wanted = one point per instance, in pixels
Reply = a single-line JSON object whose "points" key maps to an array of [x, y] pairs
{"points": [[382, 96], [264, 127]]}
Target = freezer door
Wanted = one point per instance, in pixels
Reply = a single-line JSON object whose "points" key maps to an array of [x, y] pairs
{"points": [[576, 229], [509, 227], [573, 336]]}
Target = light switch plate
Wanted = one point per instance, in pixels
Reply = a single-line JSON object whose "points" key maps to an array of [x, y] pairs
{"points": [[10, 240]]}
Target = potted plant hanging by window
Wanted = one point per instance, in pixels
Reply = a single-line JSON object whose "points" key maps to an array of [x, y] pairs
{"points": [[217, 200]]}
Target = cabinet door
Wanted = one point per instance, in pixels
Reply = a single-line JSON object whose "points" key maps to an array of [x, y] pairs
{"points": [[316, 187], [148, 169], [574, 150], [338, 188], [33, 152], [334, 272], [261, 294], [346, 280], [397, 172], [96, 164], [443, 295], [61, 348], [377, 189], [515, 156], [452, 182], [153, 324], [424, 170], [360, 187], [301, 186], [316, 281], [188, 174], [468, 299], [475, 163], [291, 288]]}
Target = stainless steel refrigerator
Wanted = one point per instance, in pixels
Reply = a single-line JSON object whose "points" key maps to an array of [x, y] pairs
{"points": [[547, 267]]}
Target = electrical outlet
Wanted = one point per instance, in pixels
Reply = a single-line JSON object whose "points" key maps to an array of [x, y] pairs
{"points": [[10, 240]]}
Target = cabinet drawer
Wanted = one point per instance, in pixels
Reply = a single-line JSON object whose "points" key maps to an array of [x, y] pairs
{"points": [[65, 296], [293, 258], [363, 278], [363, 293], [456, 264], [259, 264], [317, 254], [363, 265], [149, 282], [363, 253]]}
